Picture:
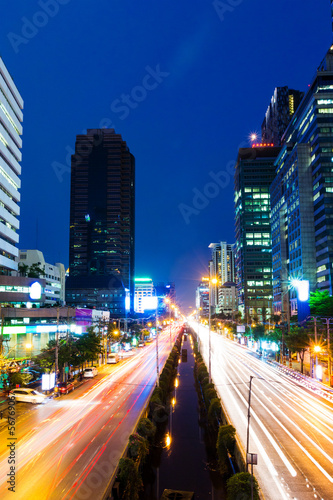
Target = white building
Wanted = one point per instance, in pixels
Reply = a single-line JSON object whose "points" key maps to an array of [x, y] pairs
{"points": [[144, 298], [54, 275], [11, 105], [228, 298]]}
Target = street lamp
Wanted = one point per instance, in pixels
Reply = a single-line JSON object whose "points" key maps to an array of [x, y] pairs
{"points": [[211, 281]]}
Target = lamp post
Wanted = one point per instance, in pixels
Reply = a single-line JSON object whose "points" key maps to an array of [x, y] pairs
{"points": [[329, 361], [157, 362], [211, 281], [167, 300], [315, 332]]}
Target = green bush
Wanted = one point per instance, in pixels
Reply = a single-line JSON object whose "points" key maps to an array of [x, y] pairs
{"points": [[146, 429], [214, 410], [209, 394], [239, 486], [225, 442], [202, 372]]}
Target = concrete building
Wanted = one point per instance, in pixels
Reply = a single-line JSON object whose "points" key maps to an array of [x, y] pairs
{"points": [[27, 331], [11, 105], [54, 275], [228, 304], [279, 113], [254, 174], [22, 291], [102, 219]]}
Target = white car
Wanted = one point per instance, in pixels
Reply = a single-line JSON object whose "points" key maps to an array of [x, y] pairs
{"points": [[28, 395], [90, 372], [113, 358]]}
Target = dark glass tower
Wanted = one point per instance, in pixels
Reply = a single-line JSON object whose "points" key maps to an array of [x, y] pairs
{"points": [[280, 111], [253, 259], [101, 243]]}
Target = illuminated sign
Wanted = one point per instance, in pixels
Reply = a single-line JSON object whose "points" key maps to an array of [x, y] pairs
{"points": [[262, 145], [48, 381], [145, 280], [303, 289], [149, 303], [35, 291]]}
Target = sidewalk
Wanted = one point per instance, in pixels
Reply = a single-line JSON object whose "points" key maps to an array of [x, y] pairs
{"points": [[184, 466]]}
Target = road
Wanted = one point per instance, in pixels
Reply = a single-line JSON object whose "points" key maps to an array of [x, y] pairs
{"points": [[69, 448], [291, 427]]}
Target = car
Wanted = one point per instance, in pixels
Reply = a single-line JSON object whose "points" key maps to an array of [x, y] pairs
{"points": [[64, 387], [25, 395], [112, 358], [90, 372], [141, 344]]}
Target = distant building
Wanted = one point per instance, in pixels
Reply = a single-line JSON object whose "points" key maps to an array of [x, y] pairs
{"points": [[54, 275], [202, 298], [254, 174], [228, 304], [281, 109], [102, 222], [145, 295], [222, 267], [11, 105]]}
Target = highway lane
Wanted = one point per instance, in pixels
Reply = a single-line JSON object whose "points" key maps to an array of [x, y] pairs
{"points": [[291, 426], [69, 448]]}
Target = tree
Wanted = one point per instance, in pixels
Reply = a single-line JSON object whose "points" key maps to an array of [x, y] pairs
{"points": [[239, 486], [130, 479], [298, 340], [35, 271], [23, 269], [258, 332], [138, 448], [321, 303], [225, 442]]}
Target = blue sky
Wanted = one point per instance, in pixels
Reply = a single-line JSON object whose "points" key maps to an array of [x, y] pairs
{"points": [[184, 83]]}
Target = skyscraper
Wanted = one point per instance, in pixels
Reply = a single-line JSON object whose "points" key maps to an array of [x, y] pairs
{"points": [[11, 105], [302, 194], [222, 267], [102, 211], [281, 109], [254, 173]]}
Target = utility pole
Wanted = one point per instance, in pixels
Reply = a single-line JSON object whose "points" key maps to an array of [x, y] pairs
{"points": [[248, 422]]}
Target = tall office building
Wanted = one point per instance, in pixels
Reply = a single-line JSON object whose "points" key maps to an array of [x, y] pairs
{"points": [[302, 194], [11, 105], [281, 109], [101, 254], [222, 267], [254, 173]]}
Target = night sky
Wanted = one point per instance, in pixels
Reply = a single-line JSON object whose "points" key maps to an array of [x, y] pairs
{"points": [[184, 83]]}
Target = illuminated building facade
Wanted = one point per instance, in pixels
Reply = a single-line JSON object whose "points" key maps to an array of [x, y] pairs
{"points": [[302, 195], [202, 298], [11, 105], [222, 267], [101, 254], [145, 297], [254, 173], [280, 111]]}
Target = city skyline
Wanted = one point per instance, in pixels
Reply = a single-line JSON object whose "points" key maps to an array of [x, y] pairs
{"points": [[181, 119]]}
